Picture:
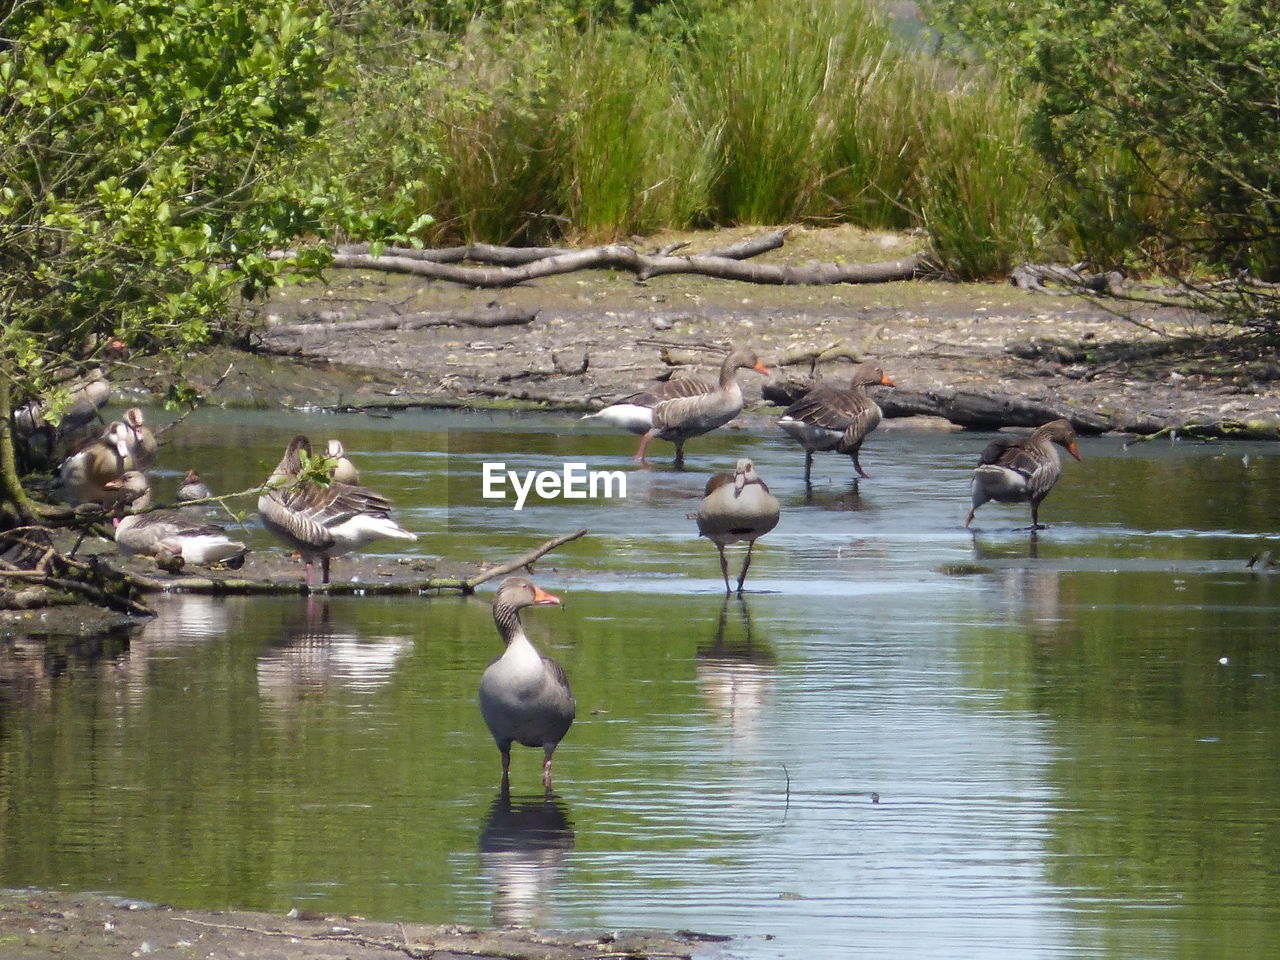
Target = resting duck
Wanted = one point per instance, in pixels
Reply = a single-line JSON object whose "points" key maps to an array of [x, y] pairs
{"points": [[679, 409], [322, 522], [828, 418], [1014, 470], [524, 696], [174, 538], [736, 506], [193, 488], [345, 471], [85, 473]]}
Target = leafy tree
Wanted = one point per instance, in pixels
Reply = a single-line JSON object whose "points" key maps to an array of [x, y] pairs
{"points": [[143, 153], [1160, 118]]}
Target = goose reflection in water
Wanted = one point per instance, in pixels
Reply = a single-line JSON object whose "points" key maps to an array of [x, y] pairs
{"points": [[1029, 592], [318, 652], [523, 846], [735, 674]]}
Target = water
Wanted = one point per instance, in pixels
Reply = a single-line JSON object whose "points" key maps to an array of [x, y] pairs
{"points": [[907, 740]]}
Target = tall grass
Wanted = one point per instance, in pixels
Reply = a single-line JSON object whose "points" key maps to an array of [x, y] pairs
{"points": [[764, 112]]}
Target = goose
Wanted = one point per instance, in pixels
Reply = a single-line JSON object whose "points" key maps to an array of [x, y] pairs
{"points": [[174, 538], [1014, 470], [322, 522], [828, 418], [139, 440], [345, 471], [193, 488], [736, 506], [85, 473], [524, 696], [679, 409]]}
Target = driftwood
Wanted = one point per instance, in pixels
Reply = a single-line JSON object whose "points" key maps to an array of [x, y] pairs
{"points": [[517, 256], [1034, 276], [290, 337], [621, 257], [189, 583]]}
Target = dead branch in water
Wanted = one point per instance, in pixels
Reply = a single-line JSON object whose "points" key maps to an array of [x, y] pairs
{"points": [[525, 561], [291, 337]]}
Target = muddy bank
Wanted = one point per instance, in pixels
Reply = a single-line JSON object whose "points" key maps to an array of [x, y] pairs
{"points": [[38, 925], [598, 335]]}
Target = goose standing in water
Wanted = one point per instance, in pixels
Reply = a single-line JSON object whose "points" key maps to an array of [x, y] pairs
{"points": [[736, 506], [174, 538], [1022, 470], [323, 522], [679, 409], [139, 440], [524, 696], [828, 418]]}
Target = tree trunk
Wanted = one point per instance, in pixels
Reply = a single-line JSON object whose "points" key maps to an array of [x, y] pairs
{"points": [[16, 508]]}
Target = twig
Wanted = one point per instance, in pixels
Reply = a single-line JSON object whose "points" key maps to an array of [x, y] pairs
{"points": [[470, 584]]}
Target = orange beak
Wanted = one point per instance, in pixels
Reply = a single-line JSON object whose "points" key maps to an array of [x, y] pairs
{"points": [[1073, 450], [885, 381], [542, 598], [761, 368]]}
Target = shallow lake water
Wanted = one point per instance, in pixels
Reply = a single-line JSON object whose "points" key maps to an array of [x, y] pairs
{"points": [[906, 739]]}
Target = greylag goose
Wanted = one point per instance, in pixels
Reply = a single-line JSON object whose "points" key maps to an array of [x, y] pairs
{"points": [[193, 488], [174, 538], [344, 470], [322, 522], [679, 409], [1022, 470], [85, 472], [524, 696], [736, 506], [828, 418]]}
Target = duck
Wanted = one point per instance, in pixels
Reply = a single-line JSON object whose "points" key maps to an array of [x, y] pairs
{"points": [[174, 538], [87, 470], [322, 522], [1022, 470], [736, 507], [524, 696], [830, 418], [679, 409], [344, 470], [193, 487]]}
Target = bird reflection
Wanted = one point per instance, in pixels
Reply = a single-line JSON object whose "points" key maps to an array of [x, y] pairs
{"points": [[1010, 550], [1031, 593], [735, 673], [842, 497], [523, 846], [318, 652]]}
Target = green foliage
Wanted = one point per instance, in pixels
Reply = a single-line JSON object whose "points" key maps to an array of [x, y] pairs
{"points": [[141, 152], [1160, 119]]}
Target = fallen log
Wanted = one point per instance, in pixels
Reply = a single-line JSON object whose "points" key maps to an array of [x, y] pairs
{"points": [[1035, 276], [517, 256], [621, 257], [335, 325]]}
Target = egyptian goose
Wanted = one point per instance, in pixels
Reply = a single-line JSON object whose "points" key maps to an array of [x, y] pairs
{"points": [[828, 418], [1020, 470], [524, 696], [174, 538], [322, 522], [736, 506], [679, 409], [344, 470], [85, 472], [139, 440], [193, 488]]}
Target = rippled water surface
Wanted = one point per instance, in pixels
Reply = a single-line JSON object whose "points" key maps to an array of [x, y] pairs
{"points": [[907, 740]]}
